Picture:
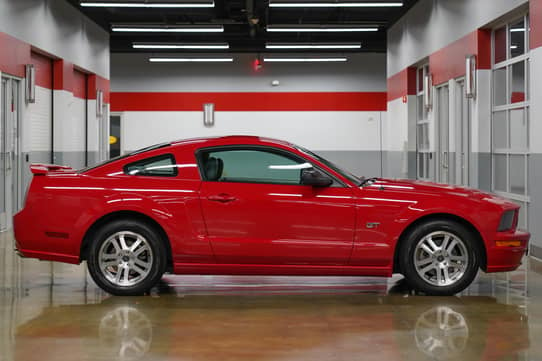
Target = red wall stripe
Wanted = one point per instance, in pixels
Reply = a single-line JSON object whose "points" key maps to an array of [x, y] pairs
{"points": [[402, 83], [79, 84], [446, 63], [449, 62], [44, 70], [95, 83], [14, 54], [277, 101], [535, 15]]}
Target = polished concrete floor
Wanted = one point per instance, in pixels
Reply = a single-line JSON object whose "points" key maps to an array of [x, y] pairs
{"points": [[55, 312]]}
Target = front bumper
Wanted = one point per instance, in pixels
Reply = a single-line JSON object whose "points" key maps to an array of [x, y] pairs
{"points": [[507, 258]]}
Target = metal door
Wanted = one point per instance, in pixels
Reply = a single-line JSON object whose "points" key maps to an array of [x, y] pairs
{"points": [[443, 126], [462, 135], [9, 147]]}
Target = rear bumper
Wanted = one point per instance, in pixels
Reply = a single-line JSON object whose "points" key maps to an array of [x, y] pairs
{"points": [[31, 241], [504, 259]]}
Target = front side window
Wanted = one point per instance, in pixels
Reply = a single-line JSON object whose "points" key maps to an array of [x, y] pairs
{"points": [[159, 166], [251, 166]]}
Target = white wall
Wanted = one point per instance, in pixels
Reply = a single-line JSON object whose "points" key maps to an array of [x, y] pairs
{"points": [[350, 138]]}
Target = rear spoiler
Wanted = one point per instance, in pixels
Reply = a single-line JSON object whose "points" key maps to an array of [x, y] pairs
{"points": [[42, 169]]}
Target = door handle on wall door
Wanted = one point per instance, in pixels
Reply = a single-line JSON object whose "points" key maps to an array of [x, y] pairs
{"points": [[9, 160], [222, 198], [445, 159]]}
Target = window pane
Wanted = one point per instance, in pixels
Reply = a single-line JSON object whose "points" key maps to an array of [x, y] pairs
{"points": [[517, 38], [518, 129], [522, 219], [160, 166], [420, 108], [499, 172], [253, 166], [517, 174], [500, 130], [517, 82], [500, 44], [499, 86]]}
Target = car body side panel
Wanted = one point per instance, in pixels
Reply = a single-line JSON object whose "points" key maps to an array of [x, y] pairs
{"points": [[62, 213]]}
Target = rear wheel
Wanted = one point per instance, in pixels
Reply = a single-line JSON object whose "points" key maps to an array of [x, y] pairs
{"points": [[440, 257], [127, 258]]}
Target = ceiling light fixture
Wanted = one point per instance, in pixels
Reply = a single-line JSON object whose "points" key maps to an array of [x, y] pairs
{"points": [[318, 28], [349, 4], [211, 46], [168, 29], [313, 46], [191, 60], [304, 60], [105, 4]]}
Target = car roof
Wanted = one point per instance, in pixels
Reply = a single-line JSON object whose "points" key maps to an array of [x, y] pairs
{"points": [[232, 139]]}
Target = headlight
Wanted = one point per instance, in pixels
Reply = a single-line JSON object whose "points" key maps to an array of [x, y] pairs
{"points": [[507, 220]]}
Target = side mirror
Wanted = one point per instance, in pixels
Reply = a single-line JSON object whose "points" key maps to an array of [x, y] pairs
{"points": [[313, 177]]}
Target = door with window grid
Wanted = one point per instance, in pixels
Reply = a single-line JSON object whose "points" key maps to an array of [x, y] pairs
{"points": [[510, 113]]}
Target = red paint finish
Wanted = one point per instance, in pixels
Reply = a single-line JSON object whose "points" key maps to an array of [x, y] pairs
{"points": [[402, 83], [44, 70], [14, 54], [265, 228], [277, 101], [449, 62], [535, 15], [79, 84], [62, 75]]}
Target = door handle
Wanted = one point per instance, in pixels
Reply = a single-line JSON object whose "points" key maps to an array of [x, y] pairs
{"points": [[222, 198]]}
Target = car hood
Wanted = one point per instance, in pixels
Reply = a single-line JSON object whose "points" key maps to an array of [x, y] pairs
{"points": [[417, 186]]}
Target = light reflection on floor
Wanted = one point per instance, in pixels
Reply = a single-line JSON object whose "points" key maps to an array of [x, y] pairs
{"points": [[55, 312]]}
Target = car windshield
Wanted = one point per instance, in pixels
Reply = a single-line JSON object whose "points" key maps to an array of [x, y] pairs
{"points": [[352, 178], [142, 150]]}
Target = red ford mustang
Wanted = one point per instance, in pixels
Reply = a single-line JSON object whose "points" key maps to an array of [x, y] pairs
{"points": [[249, 205]]}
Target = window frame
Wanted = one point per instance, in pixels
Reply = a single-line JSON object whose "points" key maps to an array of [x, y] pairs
{"points": [[159, 157], [509, 151], [269, 149]]}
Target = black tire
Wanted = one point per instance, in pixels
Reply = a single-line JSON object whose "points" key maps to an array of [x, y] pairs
{"points": [[410, 248], [154, 255]]}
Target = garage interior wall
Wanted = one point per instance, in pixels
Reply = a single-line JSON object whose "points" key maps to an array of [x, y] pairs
{"points": [[435, 37], [70, 54], [336, 109]]}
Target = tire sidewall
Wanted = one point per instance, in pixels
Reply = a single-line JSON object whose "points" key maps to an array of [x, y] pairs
{"points": [[158, 250], [407, 257]]}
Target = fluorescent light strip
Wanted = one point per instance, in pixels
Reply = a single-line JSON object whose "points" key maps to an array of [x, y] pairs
{"points": [[136, 29], [335, 5], [191, 60], [318, 29], [517, 30], [147, 5], [312, 46], [304, 60], [180, 46]]}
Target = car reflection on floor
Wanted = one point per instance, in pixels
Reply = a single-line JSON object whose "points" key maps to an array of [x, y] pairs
{"points": [[278, 327]]}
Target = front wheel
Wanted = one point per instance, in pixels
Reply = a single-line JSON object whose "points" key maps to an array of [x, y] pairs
{"points": [[127, 258], [440, 257]]}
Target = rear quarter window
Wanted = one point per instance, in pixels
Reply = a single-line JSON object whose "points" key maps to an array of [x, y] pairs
{"points": [[158, 166]]}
